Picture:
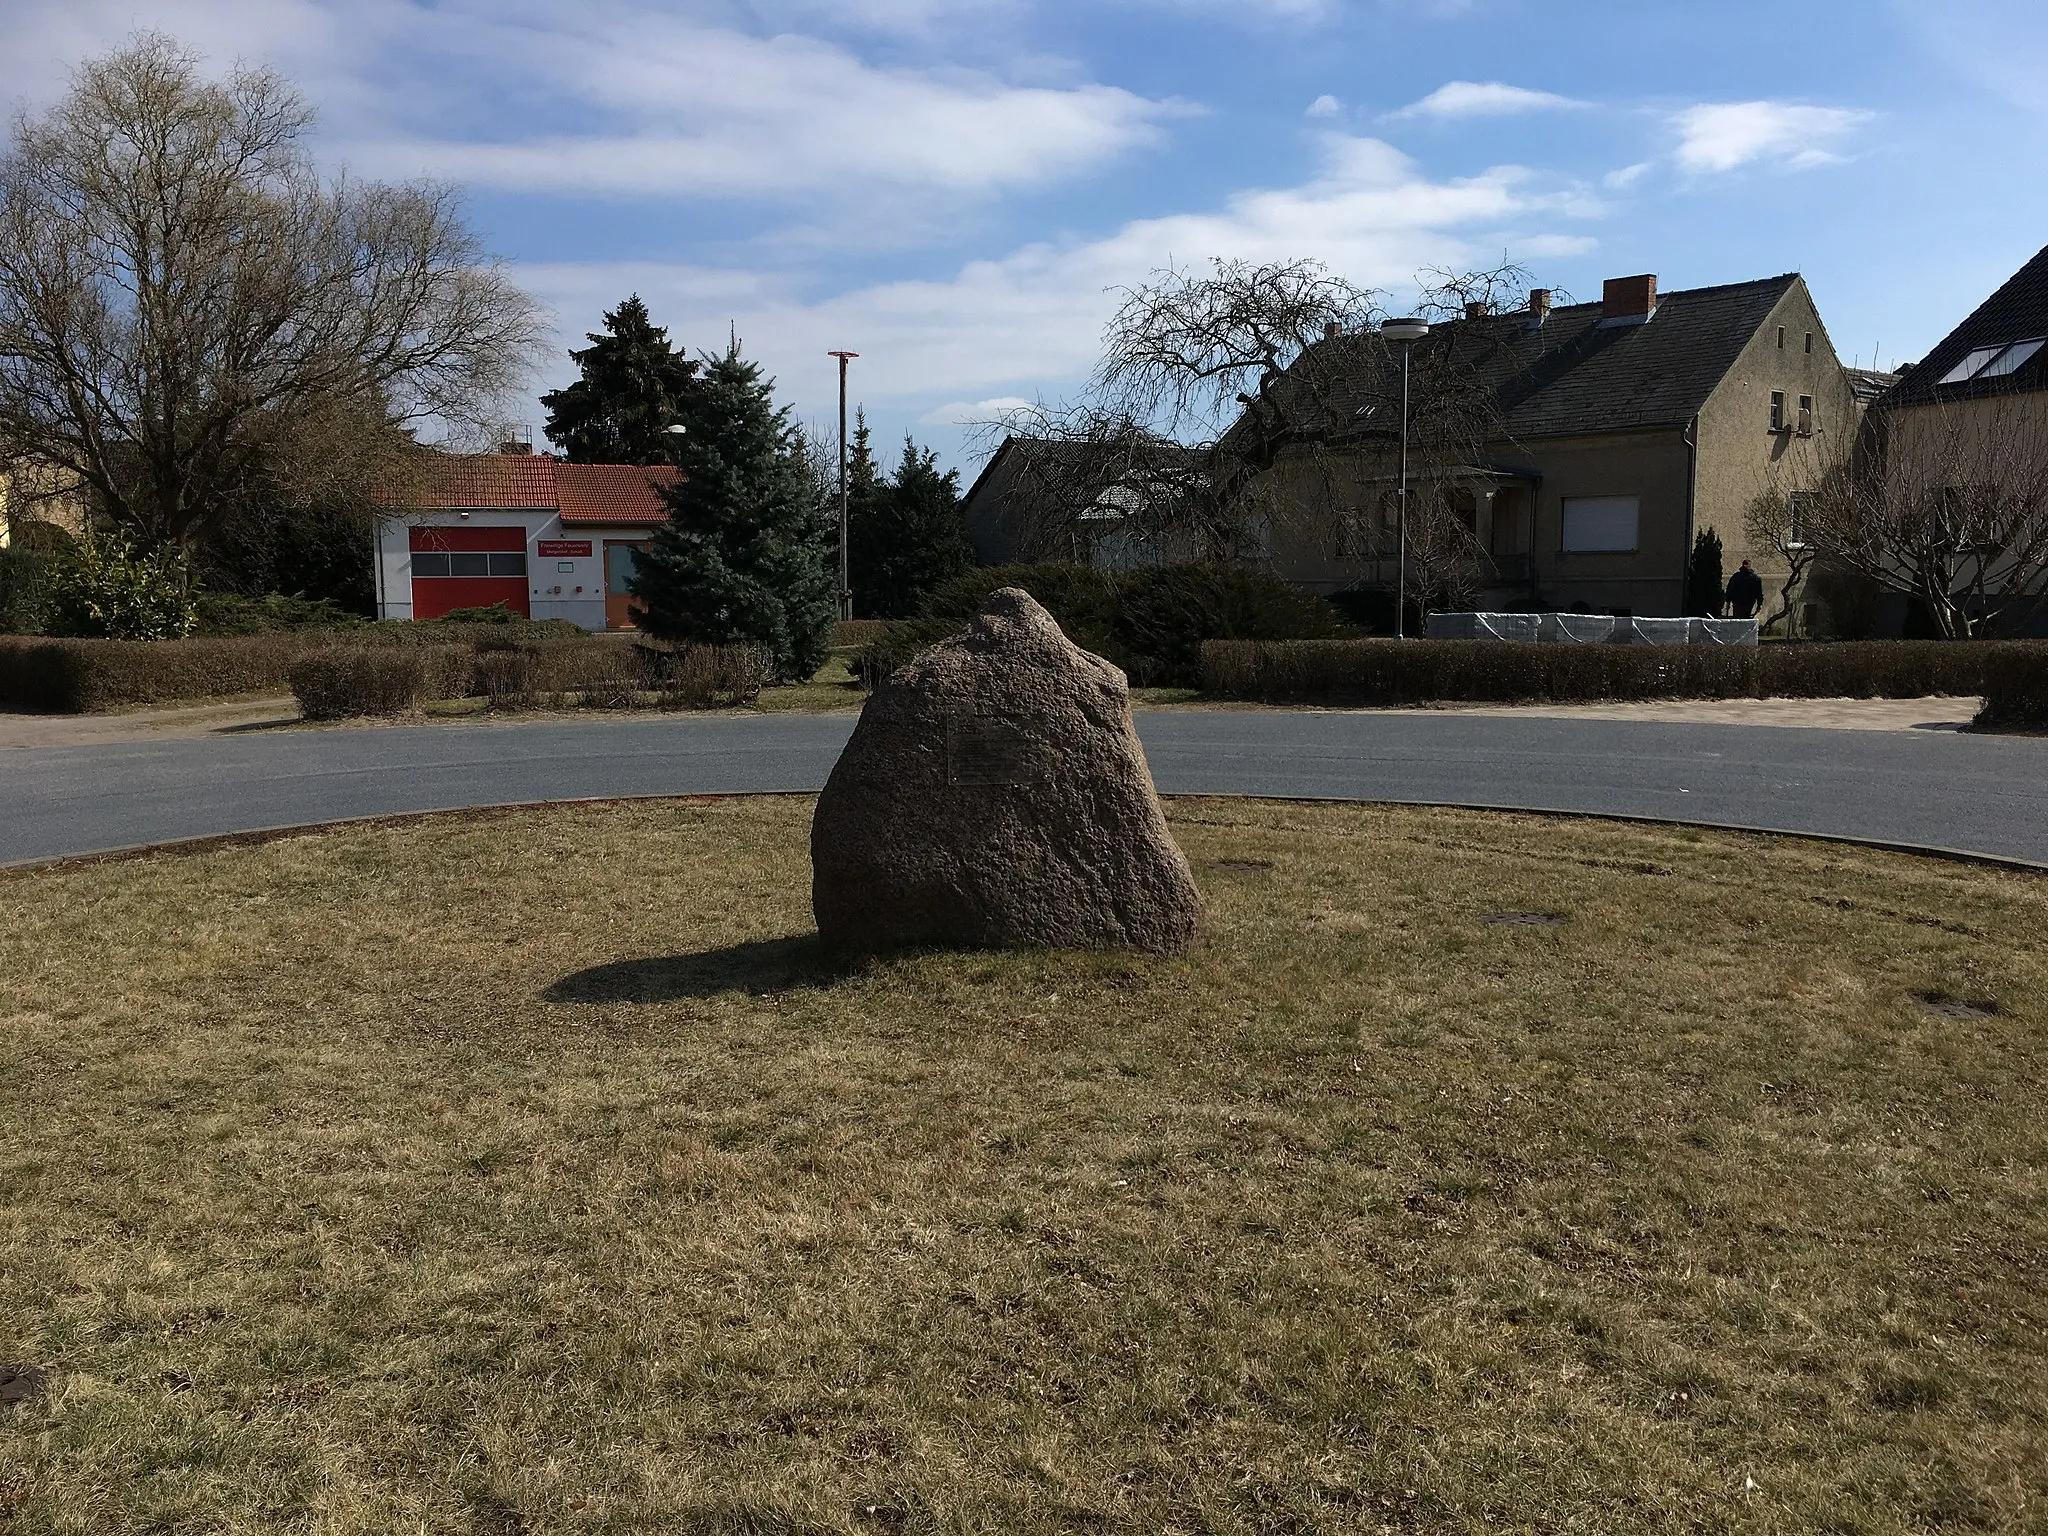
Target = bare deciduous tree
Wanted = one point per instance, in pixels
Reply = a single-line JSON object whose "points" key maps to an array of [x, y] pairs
{"points": [[190, 313], [1945, 504], [1213, 380]]}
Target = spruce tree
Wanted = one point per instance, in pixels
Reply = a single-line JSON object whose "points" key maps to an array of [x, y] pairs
{"points": [[906, 535], [634, 385], [1703, 585], [745, 557]]}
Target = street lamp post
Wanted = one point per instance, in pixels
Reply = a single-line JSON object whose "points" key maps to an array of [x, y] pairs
{"points": [[1407, 332], [845, 582]]}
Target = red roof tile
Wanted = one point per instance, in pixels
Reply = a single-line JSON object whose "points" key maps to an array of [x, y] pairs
{"points": [[583, 493], [612, 493]]}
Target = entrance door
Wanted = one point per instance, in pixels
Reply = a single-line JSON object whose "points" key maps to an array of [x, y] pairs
{"points": [[621, 558]]}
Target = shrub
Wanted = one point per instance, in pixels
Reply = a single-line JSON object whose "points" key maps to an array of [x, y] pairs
{"points": [[110, 587], [230, 613], [343, 681], [2015, 689], [1165, 613], [63, 676], [855, 632], [24, 576], [707, 676], [1151, 622], [1373, 672]]}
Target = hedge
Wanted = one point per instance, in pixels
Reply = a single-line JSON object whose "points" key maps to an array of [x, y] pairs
{"points": [[341, 681], [78, 676], [2015, 690], [1380, 672], [1151, 622]]}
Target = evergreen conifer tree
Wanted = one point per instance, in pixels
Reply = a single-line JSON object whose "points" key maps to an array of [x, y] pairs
{"points": [[634, 385], [1703, 585], [745, 557], [905, 534]]}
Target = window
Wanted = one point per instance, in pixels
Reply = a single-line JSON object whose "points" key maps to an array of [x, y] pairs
{"points": [[2010, 360], [1777, 410], [1781, 338], [1809, 343], [1596, 525], [1992, 362], [467, 563], [1798, 511], [1806, 415]]}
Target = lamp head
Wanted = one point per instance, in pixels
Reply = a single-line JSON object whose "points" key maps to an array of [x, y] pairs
{"points": [[1407, 329]]}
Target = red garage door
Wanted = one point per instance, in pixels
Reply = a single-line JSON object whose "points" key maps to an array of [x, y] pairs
{"points": [[467, 567]]}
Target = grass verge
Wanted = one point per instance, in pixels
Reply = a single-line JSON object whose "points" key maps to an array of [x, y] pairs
{"points": [[532, 1172]]}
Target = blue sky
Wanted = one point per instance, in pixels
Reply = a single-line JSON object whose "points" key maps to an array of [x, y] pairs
{"points": [[953, 187]]}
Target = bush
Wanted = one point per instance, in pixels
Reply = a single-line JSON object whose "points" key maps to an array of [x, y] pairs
{"points": [[343, 681], [854, 632], [1379, 672], [110, 587], [24, 579], [2015, 689], [1165, 613], [78, 676], [230, 613], [1151, 622], [615, 674]]}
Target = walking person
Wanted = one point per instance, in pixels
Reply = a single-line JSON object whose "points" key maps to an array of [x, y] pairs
{"points": [[1745, 593]]}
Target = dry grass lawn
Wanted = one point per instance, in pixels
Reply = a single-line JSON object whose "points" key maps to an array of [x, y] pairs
{"points": [[532, 1173]]}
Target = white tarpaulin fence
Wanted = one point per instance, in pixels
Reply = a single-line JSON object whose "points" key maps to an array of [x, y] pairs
{"points": [[1590, 629]]}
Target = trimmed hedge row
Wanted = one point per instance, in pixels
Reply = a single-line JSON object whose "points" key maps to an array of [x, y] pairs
{"points": [[80, 676], [343, 681], [61, 676], [1151, 622], [1376, 672], [2015, 691], [351, 680]]}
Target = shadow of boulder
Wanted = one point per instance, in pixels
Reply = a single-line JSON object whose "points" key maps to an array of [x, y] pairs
{"points": [[757, 968]]}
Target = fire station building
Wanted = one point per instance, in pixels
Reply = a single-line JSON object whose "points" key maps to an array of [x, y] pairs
{"points": [[548, 540]]}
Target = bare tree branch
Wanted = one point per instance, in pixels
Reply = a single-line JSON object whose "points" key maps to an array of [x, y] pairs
{"points": [[186, 307]]}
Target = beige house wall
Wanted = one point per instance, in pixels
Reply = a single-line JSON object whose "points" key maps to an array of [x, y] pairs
{"points": [[26, 497], [1740, 458], [1307, 504], [1652, 466]]}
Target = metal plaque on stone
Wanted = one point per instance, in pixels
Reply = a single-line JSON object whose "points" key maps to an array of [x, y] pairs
{"points": [[981, 749]]}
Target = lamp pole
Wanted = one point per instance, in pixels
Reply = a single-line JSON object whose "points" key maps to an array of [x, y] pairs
{"points": [[845, 582], [1407, 332]]}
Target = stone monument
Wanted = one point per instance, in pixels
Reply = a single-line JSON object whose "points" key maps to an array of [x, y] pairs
{"points": [[994, 793]]}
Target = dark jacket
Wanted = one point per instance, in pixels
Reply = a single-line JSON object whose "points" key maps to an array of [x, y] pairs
{"points": [[1745, 594]]}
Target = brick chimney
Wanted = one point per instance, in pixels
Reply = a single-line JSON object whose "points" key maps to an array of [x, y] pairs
{"points": [[1477, 309], [1628, 300], [1332, 330], [514, 446], [1539, 306]]}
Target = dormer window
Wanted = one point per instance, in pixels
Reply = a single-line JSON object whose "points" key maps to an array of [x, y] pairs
{"points": [[1993, 362]]}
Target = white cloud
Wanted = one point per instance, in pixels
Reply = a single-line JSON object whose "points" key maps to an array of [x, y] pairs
{"points": [[684, 108], [1325, 106], [969, 413], [1032, 320], [1626, 177], [1468, 98], [1721, 136], [629, 97]]}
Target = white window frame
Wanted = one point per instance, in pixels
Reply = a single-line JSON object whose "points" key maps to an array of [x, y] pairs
{"points": [[1597, 507]]}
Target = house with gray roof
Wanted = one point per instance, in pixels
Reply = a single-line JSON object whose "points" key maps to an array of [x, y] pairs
{"points": [[1597, 438]]}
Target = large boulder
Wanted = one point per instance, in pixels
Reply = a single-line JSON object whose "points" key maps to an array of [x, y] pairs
{"points": [[994, 793]]}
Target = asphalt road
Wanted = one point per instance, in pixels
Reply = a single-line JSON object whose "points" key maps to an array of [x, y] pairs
{"points": [[1981, 794]]}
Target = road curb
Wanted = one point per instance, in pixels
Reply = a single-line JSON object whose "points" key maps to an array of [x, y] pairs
{"points": [[207, 842]]}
